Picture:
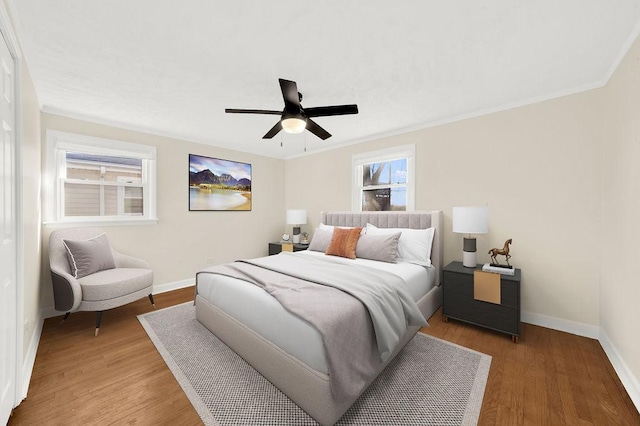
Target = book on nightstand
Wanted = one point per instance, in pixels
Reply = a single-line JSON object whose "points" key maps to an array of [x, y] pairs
{"points": [[499, 270]]}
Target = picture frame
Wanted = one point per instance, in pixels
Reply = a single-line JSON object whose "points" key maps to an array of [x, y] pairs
{"points": [[216, 184]]}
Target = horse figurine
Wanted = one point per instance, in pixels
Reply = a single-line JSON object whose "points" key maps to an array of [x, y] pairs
{"points": [[504, 252]]}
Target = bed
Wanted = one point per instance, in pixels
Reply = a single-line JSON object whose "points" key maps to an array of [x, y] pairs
{"points": [[287, 350]]}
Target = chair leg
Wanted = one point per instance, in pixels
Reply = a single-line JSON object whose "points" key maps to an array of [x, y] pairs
{"points": [[98, 319], [65, 317], [152, 302]]}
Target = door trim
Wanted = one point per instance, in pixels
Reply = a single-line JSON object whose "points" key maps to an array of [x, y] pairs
{"points": [[21, 385]]}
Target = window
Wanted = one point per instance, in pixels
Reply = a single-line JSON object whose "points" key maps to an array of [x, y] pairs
{"points": [[384, 180], [99, 180]]}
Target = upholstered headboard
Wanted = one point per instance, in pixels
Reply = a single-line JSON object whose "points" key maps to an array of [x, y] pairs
{"points": [[412, 220]]}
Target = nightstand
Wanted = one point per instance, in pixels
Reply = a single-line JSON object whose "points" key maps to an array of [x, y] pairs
{"points": [[275, 248], [459, 303]]}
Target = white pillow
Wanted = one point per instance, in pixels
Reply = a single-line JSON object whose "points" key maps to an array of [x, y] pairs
{"points": [[330, 228], [321, 239], [414, 245], [326, 227]]}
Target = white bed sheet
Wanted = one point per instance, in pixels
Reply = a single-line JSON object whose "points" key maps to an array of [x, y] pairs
{"points": [[251, 305]]}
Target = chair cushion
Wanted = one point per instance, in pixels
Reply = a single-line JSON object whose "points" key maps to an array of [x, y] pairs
{"points": [[114, 283]]}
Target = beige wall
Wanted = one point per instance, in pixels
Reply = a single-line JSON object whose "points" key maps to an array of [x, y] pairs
{"points": [[620, 249], [182, 242], [31, 217], [538, 168]]}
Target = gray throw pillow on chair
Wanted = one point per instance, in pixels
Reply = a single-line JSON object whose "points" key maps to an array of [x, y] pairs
{"points": [[89, 256]]}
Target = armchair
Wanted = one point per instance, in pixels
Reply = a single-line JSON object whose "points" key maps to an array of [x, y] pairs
{"points": [[106, 288]]}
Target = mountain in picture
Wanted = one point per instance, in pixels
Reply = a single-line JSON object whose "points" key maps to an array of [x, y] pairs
{"points": [[208, 178], [227, 179], [205, 176]]}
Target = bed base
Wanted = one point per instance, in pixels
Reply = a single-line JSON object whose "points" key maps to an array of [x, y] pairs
{"points": [[308, 388]]}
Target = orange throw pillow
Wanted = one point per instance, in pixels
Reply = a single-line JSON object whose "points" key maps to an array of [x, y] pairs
{"points": [[344, 242]]}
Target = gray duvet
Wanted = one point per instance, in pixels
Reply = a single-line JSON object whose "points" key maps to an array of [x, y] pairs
{"points": [[361, 313]]}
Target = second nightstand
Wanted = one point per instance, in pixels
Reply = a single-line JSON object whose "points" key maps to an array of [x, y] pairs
{"points": [[275, 248]]}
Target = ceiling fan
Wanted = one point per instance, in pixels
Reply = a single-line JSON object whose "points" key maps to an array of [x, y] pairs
{"points": [[294, 119]]}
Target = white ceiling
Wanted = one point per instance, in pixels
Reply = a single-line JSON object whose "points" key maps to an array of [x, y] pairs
{"points": [[171, 68]]}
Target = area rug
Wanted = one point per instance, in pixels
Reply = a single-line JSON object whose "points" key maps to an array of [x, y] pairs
{"points": [[431, 382]]}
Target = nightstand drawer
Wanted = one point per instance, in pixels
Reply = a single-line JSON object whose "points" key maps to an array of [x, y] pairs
{"points": [[498, 317], [463, 286]]}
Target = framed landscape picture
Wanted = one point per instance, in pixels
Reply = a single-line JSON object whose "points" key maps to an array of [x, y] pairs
{"points": [[216, 184]]}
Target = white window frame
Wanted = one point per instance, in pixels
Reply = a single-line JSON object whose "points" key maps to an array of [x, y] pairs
{"points": [[58, 143], [122, 193], [359, 160]]}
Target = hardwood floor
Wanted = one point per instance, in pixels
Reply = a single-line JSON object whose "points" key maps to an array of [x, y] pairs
{"points": [[549, 378], [115, 378]]}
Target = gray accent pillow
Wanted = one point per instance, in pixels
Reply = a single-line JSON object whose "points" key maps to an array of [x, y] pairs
{"points": [[414, 244], [382, 247], [321, 240], [89, 256]]}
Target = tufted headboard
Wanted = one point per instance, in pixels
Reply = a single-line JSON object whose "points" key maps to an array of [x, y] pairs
{"points": [[412, 220]]}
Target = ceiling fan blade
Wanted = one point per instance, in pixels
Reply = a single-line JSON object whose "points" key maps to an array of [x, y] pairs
{"points": [[314, 128], [251, 111], [331, 110], [289, 92], [274, 131]]}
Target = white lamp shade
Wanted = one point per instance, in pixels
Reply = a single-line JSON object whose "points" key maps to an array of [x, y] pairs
{"points": [[471, 220], [296, 217]]}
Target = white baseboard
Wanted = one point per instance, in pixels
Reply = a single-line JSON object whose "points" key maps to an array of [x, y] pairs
{"points": [[629, 381], [568, 326], [30, 358], [163, 288]]}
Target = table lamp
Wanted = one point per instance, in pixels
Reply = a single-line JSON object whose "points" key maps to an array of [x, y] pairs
{"points": [[296, 218], [470, 220]]}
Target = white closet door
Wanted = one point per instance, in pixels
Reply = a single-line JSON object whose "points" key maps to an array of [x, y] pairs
{"points": [[8, 228]]}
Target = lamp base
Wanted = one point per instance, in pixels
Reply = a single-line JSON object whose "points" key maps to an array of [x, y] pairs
{"points": [[469, 259], [296, 235]]}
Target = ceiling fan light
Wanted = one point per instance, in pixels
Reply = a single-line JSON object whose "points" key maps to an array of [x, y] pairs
{"points": [[294, 125]]}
